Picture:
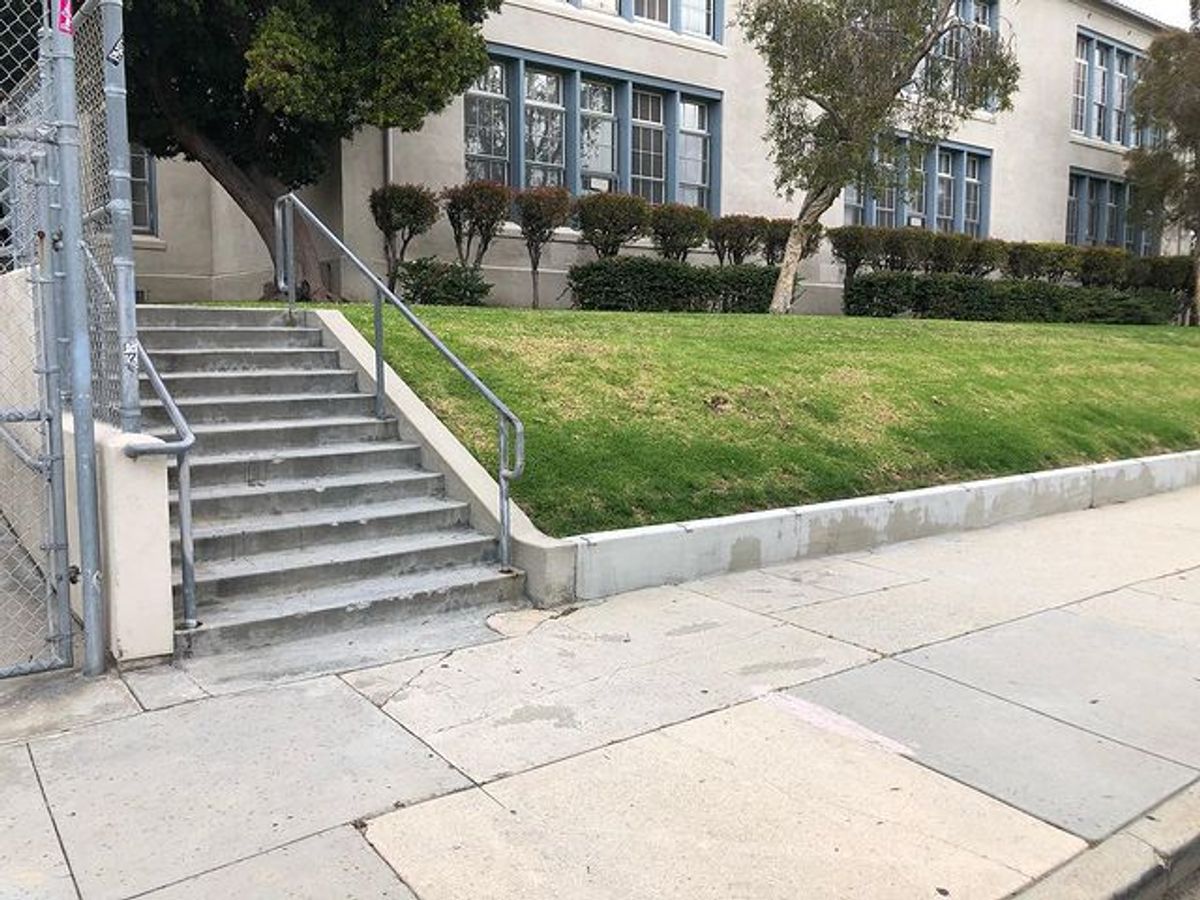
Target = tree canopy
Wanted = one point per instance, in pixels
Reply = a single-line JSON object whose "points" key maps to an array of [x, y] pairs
{"points": [[1165, 174], [261, 91], [844, 74]]}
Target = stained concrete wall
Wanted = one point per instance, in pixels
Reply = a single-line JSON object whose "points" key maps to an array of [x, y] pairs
{"points": [[1033, 151]]}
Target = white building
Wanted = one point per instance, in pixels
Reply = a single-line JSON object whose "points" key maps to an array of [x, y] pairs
{"points": [[663, 98]]}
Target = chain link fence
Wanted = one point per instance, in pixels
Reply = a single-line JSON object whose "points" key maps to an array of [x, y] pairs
{"points": [[32, 605]]}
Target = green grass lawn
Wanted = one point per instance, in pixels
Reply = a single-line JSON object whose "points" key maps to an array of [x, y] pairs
{"points": [[634, 419]]}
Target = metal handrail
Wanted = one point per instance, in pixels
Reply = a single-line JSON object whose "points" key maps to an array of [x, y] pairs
{"points": [[511, 453], [179, 449]]}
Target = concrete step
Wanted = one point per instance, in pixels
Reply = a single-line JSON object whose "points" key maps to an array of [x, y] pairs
{"points": [[259, 408], [228, 437], [256, 382], [314, 528], [175, 315], [227, 338], [245, 360], [226, 502], [288, 571], [258, 467], [259, 621]]}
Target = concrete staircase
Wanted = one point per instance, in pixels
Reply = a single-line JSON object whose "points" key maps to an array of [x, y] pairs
{"points": [[310, 514]]}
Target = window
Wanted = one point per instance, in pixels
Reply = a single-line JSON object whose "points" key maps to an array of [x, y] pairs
{"points": [[1079, 100], [693, 154], [554, 122], [649, 173], [983, 13], [973, 197], [1073, 211], [545, 129], [1112, 216], [1100, 92], [486, 137], [142, 190], [945, 191], [597, 137], [1098, 213], [855, 205], [960, 190], [608, 6], [654, 10], [1121, 98], [696, 16]]}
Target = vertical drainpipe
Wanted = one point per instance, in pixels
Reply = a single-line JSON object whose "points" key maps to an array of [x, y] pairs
{"points": [[74, 284], [121, 208]]}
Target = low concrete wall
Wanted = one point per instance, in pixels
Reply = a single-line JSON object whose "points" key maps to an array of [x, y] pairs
{"points": [[135, 544], [616, 561], [548, 563]]}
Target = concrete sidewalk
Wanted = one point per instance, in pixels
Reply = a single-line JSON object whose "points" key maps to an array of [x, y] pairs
{"points": [[955, 717]]}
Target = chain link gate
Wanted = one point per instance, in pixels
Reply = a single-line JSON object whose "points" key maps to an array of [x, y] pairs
{"points": [[67, 324], [35, 622]]}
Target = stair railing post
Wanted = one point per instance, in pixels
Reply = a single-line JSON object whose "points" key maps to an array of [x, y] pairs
{"points": [[502, 480], [379, 410], [187, 552], [289, 252]]}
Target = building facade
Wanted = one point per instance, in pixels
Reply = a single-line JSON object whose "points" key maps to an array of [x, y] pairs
{"points": [[664, 99]]}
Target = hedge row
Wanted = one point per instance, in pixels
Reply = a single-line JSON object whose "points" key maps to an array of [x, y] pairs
{"points": [[921, 250], [649, 284], [889, 294]]}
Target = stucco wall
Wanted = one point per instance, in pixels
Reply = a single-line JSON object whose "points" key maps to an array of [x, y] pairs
{"points": [[1032, 151]]}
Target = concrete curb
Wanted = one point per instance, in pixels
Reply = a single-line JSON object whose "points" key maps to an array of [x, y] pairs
{"points": [[1142, 861], [613, 562]]}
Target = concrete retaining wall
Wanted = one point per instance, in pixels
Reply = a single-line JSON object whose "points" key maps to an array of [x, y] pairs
{"points": [[616, 561]]}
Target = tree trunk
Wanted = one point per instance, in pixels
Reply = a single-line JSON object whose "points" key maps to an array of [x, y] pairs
{"points": [[392, 263], [536, 299], [816, 203], [253, 191]]}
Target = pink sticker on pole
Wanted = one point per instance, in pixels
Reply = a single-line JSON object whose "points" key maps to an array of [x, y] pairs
{"points": [[65, 25]]}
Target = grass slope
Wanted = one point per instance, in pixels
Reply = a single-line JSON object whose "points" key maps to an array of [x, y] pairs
{"points": [[637, 419]]}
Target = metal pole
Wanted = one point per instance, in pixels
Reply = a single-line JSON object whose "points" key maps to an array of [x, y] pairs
{"points": [[187, 554], [505, 525], [61, 622], [289, 256], [121, 207], [379, 413], [75, 303]]}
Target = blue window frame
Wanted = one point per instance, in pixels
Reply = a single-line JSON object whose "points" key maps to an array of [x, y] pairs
{"points": [[950, 191], [1098, 215], [1105, 73], [591, 128], [698, 18]]}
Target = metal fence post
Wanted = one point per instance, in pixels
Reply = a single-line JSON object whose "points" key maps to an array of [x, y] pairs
{"points": [[75, 299], [121, 207]]}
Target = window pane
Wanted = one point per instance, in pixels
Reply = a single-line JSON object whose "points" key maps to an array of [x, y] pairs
{"points": [[696, 16], [141, 188], [656, 10], [543, 87], [486, 127], [647, 107], [596, 97], [492, 81], [598, 144]]}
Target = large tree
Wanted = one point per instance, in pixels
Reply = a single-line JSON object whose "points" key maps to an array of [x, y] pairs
{"points": [[845, 74], [261, 91], [1165, 175]]}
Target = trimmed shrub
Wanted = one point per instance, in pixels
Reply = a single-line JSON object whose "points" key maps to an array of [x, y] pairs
{"points": [[735, 238], [1049, 262], [432, 282], [540, 211], [746, 288], [677, 228], [476, 210], [947, 252], [983, 257], [855, 246], [774, 237], [1103, 267], [609, 221], [984, 300], [902, 249], [401, 212], [649, 284], [1163, 273]]}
